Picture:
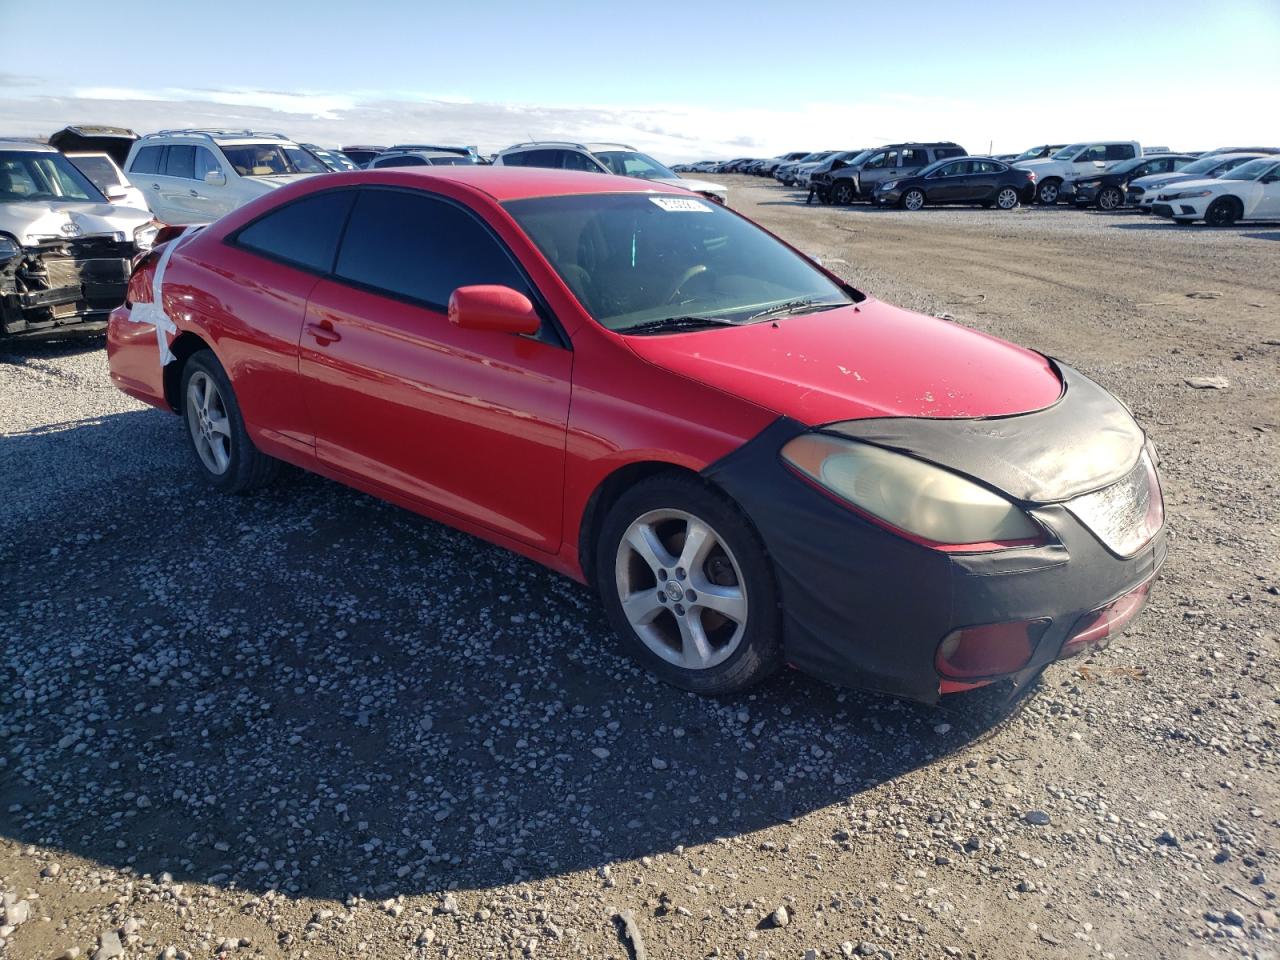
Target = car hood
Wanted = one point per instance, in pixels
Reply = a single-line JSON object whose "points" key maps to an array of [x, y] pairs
{"points": [[34, 220], [857, 362], [1037, 163], [697, 186], [1201, 182]]}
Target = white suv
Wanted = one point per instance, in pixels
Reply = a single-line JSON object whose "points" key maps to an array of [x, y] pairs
{"points": [[197, 176], [1077, 160], [615, 158]]}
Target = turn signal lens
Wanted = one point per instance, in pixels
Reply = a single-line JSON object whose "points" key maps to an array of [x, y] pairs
{"points": [[925, 502], [990, 650]]}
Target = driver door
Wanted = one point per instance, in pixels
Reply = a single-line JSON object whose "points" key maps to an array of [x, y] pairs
{"points": [[471, 423]]}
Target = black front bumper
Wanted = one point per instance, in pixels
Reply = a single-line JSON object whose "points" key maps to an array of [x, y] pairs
{"points": [[865, 607]]}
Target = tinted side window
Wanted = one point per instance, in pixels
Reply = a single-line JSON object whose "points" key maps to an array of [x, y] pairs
{"points": [[577, 161], [943, 152], [1120, 151], [420, 248], [180, 161], [514, 160], [914, 158], [540, 158], [875, 162], [147, 160], [304, 232]]}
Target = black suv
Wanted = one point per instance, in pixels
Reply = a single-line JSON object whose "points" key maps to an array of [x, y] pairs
{"points": [[891, 162]]}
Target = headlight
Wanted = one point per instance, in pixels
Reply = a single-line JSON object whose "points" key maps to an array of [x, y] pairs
{"points": [[8, 247], [144, 237], [888, 184], [1192, 193], [922, 500]]}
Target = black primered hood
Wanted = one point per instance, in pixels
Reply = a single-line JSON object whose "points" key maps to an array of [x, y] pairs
{"points": [[1085, 441]]}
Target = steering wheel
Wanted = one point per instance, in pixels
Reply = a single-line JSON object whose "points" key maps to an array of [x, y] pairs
{"points": [[685, 277]]}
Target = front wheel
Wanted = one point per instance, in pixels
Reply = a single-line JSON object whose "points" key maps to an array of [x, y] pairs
{"points": [[1223, 212], [1110, 198], [224, 454], [1007, 198], [842, 193], [687, 585], [913, 199], [1048, 192]]}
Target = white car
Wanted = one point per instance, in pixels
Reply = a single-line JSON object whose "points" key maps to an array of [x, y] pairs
{"points": [[197, 176], [65, 251], [1249, 192], [615, 158], [1074, 161], [107, 177], [1143, 191]]}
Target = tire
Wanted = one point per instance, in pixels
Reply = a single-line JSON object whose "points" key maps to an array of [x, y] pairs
{"points": [[1006, 198], [913, 199], [677, 636], [1223, 212], [843, 194], [1110, 198], [224, 455], [1047, 193]]}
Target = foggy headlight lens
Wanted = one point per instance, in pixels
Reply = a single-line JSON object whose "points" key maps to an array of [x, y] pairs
{"points": [[927, 501]]}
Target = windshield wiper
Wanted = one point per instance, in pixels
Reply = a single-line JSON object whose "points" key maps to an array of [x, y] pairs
{"points": [[664, 324], [792, 306]]}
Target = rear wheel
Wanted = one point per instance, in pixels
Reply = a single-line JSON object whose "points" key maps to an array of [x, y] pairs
{"points": [[1110, 198], [913, 199], [687, 585], [1223, 212], [1007, 198], [842, 193], [1048, 192], [224, 454]]}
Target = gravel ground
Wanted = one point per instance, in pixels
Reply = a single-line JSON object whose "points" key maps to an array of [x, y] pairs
{"points": [[306, 723]]}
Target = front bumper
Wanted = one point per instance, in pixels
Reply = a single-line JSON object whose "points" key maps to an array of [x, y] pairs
{"points": [[865, 607], [892, 196], [1191, 209]]}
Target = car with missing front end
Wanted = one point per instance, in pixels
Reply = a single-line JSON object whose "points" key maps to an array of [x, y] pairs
{"points": [[65, 249], [754, 463]]}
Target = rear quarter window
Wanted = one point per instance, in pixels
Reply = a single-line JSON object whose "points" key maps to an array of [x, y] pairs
{"points": [[303, 233]]}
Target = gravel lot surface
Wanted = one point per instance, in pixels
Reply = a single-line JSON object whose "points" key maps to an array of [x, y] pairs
{"points": [[306, 723]]}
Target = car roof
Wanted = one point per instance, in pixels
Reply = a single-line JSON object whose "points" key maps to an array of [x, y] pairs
{"points": [[17, 143], [518, 183]]}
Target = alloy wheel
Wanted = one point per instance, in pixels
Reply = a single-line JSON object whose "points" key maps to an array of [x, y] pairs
{"points": [[1049, 193], [681, 589], [1110, 199], [207, 419], [1007, 198], [843, 193], [913, 200]]}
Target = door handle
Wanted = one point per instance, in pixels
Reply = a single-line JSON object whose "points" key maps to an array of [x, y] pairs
{"points": [[193, 193], [323, 332]]}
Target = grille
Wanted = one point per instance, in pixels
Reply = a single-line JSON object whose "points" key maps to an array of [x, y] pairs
{"points": [[1127, 514]]}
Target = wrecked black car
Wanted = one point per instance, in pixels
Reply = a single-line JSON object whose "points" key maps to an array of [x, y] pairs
{"points": [[65, 250]]}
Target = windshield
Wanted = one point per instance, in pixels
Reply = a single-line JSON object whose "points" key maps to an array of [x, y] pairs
{"points": [[99, 169], [628, 163], [43, 176], [1253, 170], [1066, 153], [1203, 165], [632, 259], [270, 159], [1031, 154], [451, 160], [331, 159], [1124, 166]]}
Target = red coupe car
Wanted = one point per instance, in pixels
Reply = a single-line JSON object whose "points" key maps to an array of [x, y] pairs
{"points": [[751, 461]]}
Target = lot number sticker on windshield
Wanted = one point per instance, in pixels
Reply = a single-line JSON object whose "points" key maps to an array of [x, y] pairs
{"points": [[681, 205]]}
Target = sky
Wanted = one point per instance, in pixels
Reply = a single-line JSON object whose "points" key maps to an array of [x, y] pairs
{"points": [[682, 81]]}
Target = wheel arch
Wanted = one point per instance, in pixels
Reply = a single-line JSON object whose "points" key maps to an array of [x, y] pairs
{"points": [[186, 344], [613, 486]]}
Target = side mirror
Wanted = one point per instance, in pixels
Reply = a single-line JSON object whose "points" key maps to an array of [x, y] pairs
{"points": [[491, 307], [216, 178], [115, 192]]}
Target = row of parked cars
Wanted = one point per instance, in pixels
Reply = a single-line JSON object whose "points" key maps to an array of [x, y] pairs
{"points": [[1220, 186], [76, 211]]}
